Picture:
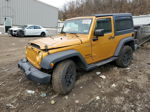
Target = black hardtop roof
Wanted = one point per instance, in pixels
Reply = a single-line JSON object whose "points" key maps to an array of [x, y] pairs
{"points": [[113, 14]]}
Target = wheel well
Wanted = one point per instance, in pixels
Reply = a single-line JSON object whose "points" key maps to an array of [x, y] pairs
{"points": [[78, 62], [131, 44]]}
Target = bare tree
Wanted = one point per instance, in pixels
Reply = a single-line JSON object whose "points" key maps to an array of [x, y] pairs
{"points": [[89, 7]]}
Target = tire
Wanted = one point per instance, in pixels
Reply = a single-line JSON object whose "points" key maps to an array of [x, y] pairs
{"points": [[64, 77], [125, 57], [20, 33], [43, 34]]}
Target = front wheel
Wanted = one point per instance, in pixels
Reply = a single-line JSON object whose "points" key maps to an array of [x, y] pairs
{"points": [[64, 77], [125, 57], [20, 33]]}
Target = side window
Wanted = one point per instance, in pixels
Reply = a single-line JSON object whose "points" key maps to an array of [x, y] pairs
{"points": [[123, 24], [104, 24], [30, 27], [37, 27]]}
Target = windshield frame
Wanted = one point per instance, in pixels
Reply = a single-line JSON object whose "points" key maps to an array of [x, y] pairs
{"points": [[78, 32]]}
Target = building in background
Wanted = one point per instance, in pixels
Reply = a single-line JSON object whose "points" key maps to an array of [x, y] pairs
{"points": [[22, 12], [141, 20]]}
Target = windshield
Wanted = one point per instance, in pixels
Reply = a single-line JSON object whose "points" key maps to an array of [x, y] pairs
{"points": [[81, 26], [23, 27]]}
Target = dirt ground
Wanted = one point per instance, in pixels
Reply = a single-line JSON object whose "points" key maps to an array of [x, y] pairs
{"points": [[114, 90]]}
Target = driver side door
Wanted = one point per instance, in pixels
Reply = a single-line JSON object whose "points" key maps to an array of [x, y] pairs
{"points": [[37, 30], [103, 47], [30, 31]]}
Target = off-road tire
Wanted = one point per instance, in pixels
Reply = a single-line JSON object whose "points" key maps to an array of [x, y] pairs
{"points": [[60, 82], [125, 57], [43, 34]]}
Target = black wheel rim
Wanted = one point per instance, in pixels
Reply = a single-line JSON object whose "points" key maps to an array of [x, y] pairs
{"points": [[43, 34], [69, 77], [127, 58]]}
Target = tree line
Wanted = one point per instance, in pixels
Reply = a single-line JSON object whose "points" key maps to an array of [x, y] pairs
{"points": [[88, 7]]}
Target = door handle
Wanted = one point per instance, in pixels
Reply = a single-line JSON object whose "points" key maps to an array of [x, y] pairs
{"points": [[95, 39], [112, 37]]}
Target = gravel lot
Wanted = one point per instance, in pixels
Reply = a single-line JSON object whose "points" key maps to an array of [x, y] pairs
{"points": [[113, 90]]}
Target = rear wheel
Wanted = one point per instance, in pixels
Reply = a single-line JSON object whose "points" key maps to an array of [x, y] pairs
{"points": [[125, 57], [64, 77], [43, 34]]}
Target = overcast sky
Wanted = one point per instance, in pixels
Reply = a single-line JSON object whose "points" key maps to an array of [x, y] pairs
{"points": [[56, 3]]}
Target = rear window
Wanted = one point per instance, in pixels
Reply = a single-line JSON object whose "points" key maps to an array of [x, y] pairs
{"points": [[123, 24]]}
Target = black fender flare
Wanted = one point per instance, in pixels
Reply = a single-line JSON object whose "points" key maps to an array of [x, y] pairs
{"points": [[122, 43], [60, 56]]}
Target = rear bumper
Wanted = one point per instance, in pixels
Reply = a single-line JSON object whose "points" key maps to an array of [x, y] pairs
{"points": [[33, 73]]}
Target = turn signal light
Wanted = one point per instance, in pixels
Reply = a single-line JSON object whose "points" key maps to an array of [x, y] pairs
{"points": [[52, 65]]}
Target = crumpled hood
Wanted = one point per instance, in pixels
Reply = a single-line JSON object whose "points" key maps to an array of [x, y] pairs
{"points": [[15, 28], [56, 42]]}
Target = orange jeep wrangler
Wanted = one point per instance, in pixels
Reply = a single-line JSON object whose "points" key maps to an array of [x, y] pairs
{"points": [[84, 43]]}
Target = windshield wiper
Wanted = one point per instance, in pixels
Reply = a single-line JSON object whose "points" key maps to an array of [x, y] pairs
{"points": [[75, 34], [63, 33]]}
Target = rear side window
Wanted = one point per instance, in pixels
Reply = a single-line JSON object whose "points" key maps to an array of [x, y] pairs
{"points": [[37, 27], [104, 24], [123, 24]]}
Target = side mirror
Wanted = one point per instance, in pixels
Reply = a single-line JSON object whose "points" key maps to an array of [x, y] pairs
{"points": [[99, 32]]}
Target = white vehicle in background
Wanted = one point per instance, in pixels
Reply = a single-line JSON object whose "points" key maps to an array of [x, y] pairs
{"points": [[28, 30]]}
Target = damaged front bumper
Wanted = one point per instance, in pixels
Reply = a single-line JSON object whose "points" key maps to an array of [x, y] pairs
{"points": [[33, 73]]}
